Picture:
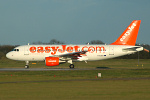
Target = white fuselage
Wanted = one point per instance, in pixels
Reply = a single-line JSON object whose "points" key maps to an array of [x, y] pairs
{"points": [[93, 52]]}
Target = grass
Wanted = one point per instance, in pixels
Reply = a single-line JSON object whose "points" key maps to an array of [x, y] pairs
{"points": [[121, 79], [77, 90]]}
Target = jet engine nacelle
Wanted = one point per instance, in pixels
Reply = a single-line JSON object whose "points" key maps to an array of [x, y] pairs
{"points": [[52, 61]]}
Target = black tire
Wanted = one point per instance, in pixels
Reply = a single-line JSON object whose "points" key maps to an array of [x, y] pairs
{"points": [[71, 65], [26, 66]]}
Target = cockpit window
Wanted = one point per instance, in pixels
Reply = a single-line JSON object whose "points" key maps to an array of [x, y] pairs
{"points": [[15, 50]]}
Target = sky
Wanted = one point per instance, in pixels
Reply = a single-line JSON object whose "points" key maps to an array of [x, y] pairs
{"points": [[71, 21]]}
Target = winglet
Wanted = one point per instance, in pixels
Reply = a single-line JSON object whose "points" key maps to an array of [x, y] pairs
{"points": [[129, 36]]}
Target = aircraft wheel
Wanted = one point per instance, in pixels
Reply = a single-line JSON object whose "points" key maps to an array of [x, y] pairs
{"points": [[71, 65], [26, 66]]}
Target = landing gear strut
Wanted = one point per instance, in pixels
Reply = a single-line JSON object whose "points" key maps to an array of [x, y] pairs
{"points": [[27, 65], [71, 65]]}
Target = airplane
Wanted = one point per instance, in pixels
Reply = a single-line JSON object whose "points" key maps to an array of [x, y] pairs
{"points": [[54, 55]]}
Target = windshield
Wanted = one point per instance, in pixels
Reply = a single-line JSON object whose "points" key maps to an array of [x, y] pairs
{"points": [[15, 50]]}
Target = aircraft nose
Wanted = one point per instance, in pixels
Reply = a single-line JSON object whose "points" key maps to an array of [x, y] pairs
{"points": [[9, 55]]}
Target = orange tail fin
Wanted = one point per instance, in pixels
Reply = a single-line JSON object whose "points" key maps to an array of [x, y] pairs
{"points": [[128, 37]]}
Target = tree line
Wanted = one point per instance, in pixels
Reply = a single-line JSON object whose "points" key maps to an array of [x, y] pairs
{"points": [[142, 55]]}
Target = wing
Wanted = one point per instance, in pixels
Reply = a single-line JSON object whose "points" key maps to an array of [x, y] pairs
{"points": [[71, 56]]}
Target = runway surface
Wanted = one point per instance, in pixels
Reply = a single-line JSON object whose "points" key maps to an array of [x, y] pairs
{"points": [[49, 69]]}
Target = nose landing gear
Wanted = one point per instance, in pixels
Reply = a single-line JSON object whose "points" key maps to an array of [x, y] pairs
{"points": [[27, 65]]}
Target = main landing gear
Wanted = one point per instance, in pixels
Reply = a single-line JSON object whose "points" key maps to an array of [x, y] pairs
{"points": [[27, 65], [71, 65]]}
